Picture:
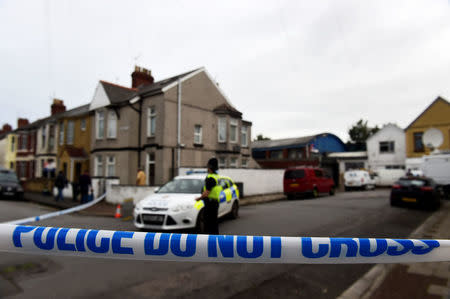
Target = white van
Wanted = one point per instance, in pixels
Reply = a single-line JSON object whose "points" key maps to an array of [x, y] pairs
{"points": [[387, 177], [358, 179]]}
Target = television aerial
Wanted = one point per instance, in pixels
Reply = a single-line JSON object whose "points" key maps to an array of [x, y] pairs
{"points": [[432, 138]]}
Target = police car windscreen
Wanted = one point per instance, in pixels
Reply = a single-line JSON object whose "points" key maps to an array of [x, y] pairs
{"points": [[294, 174], [8, 176], [182, 186]]}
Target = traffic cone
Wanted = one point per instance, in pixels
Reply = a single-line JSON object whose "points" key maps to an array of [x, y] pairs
{"points": [[118, 211]]}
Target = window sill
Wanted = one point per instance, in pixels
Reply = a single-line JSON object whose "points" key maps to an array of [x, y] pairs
{"points": [[198, 144]]}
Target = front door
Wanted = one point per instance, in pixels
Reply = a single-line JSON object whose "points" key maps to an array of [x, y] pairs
{"points": [[150, 169], [77, 173]]}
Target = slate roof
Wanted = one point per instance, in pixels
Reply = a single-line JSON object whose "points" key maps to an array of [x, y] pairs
{"points": [[226, 108], [77, 111], [155, 88], [117, 93]]}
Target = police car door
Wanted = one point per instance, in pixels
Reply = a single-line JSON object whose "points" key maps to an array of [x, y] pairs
{"points": [[223, 195]]}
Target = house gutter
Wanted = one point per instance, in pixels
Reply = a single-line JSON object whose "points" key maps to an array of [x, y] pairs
{"points": [[139, 111]]}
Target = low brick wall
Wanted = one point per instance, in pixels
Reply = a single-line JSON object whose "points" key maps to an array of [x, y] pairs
{"points": [[119, 194]]}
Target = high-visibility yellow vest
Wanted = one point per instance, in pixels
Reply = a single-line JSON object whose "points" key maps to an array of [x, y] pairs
{"points": [[215, 192]]}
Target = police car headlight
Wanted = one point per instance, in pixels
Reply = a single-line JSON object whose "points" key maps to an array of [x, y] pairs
{"points": [[181, 207]]}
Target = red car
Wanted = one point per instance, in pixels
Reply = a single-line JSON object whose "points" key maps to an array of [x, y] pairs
{"points": [[306, 180]]}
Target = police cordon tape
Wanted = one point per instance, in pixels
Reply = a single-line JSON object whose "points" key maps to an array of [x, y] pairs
{"points": [[58, 213], [217, 248]]}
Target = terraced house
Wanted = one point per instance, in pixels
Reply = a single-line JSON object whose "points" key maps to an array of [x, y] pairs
{"points": [[74, 139], [181, 121]]}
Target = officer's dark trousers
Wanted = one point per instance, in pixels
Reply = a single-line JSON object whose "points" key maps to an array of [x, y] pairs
{"points": [[211, 221]]}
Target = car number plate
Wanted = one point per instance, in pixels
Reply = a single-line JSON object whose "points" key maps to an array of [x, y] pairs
{"points": [[408, 199], [154, 218], [294, 185]]}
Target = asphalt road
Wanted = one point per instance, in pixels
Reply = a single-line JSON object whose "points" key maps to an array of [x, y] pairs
{"points": [[349, 214]]}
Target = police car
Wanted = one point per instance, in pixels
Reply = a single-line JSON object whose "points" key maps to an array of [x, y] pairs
{"points": [[174, 207]]}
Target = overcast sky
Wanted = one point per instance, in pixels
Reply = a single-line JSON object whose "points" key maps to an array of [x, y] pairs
{"points": [[294, 68]]}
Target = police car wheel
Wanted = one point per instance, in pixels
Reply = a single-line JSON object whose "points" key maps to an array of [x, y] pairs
{"points": [[200, 224], [234, 214]]}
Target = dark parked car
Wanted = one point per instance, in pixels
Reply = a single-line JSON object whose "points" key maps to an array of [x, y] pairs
{"points": [[418, 191], [9, 185], [306, 180]]}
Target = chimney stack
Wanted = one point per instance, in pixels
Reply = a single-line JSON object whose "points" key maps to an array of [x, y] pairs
{"points": [[57, 106], [141, 77], [22, 122], [6, 128]]}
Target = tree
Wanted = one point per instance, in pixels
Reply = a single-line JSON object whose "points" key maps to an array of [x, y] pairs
{"points": [[261, 137], [359, 133]]}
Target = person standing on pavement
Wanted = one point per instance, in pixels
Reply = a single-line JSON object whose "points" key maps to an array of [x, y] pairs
{"points": [[140, 178], [60, 183], [85, 186], [210, 197]]}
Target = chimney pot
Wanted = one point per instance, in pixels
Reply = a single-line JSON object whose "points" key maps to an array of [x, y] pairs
{"points": [[22, 122], [57, 106], [141, 77]]}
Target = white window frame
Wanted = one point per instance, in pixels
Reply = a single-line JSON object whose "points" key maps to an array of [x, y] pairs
{"points": [[98, 163], [13, 146], [222, 126], [234, 128], [70, 131], [99, 117], [83, 124], [43, 136], [222, 164], [244, 163], [110, 162], [233, 162], [61, 133], [244, 131], [151, 126], [111, 131], [198, 135]]}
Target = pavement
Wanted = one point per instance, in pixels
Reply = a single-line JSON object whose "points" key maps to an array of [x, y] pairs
{"points": [[416, 280]]}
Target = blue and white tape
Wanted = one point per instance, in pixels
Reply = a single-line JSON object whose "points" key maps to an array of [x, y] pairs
{"points": [[217, 248], [58, 213]]}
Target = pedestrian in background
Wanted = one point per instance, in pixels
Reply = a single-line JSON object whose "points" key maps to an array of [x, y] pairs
{"points": [[60, 183], [210, 197], [140, 178], [85, 186]]}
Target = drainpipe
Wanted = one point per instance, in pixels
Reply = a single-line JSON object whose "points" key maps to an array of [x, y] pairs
{"points": [[179, 127], [139, 134]]}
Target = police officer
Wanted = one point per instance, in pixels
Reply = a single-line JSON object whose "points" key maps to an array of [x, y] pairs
{"points": [[210, 197]]}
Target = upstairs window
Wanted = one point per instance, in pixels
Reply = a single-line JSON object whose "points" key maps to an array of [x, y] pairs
{"points": [[51, 137], [24, 142], [44, 136], [13, 144], [61, 133], [112, 124], [100, 124], [151, 122], [387, 146], [222, 129], [198, 134], [418, 145], [70, 131], [233, 130], [244, 137], [83, 124]]}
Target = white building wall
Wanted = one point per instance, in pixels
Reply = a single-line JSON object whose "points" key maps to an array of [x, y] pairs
{"points": [[379, 160], [256, 181]]}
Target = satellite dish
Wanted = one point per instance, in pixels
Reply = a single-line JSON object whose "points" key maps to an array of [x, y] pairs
{"points": [[432, 138]]}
